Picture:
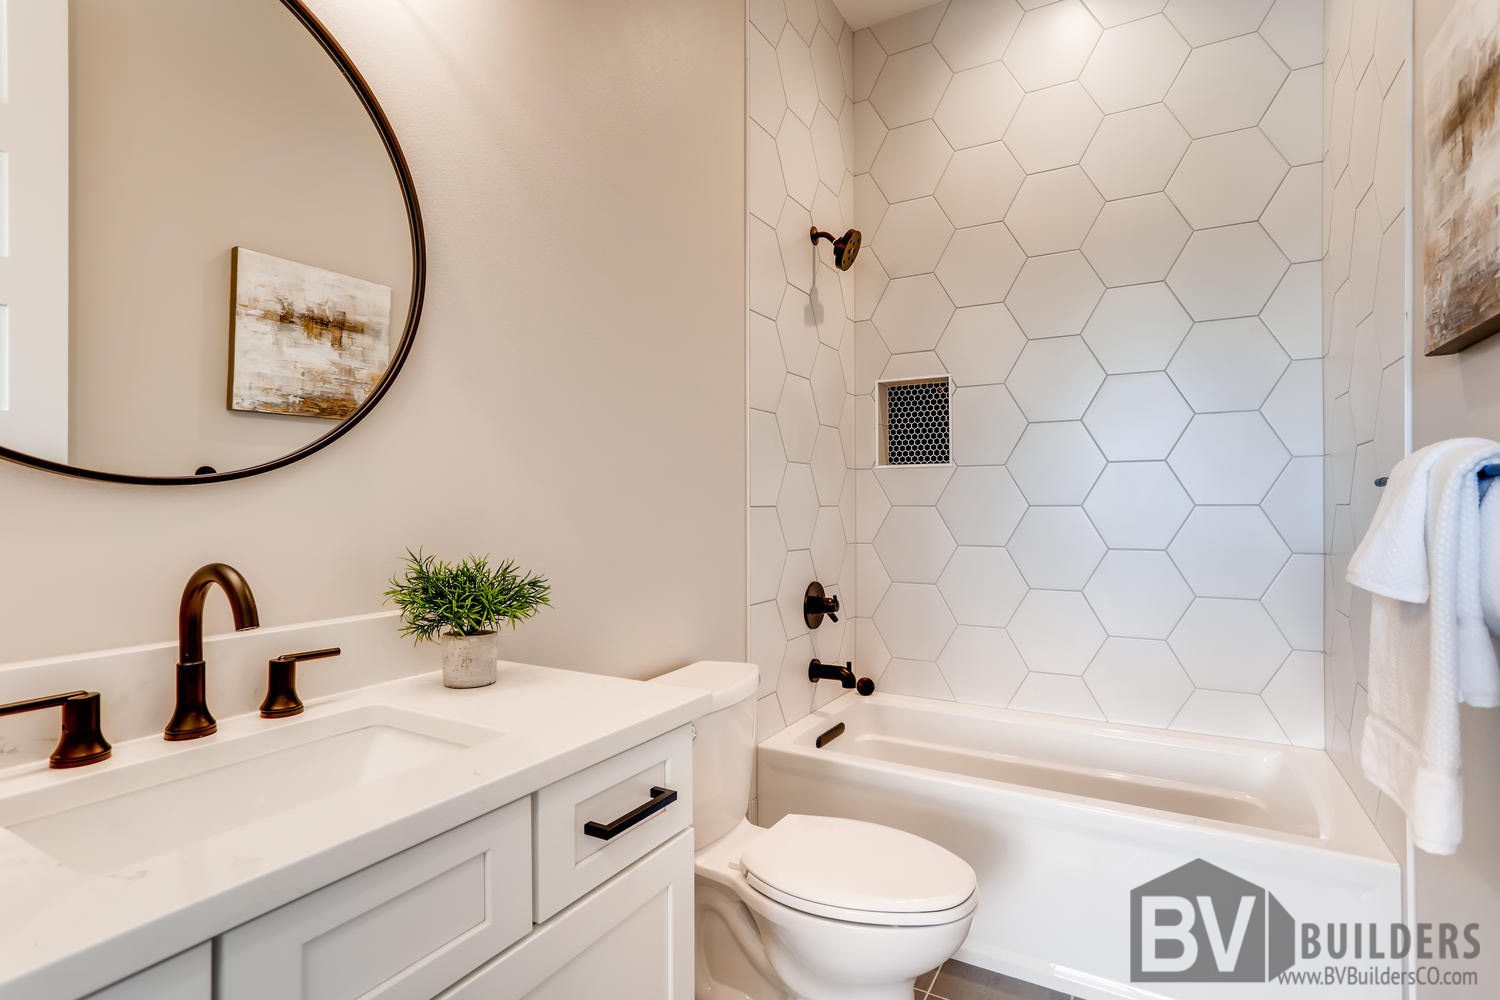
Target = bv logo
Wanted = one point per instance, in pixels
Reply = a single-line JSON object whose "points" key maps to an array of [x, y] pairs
{"points": [[1201, 924]]}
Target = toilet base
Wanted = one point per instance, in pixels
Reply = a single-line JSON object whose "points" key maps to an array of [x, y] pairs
{"points": [[730, 962], [773, 953], [820, 959]]}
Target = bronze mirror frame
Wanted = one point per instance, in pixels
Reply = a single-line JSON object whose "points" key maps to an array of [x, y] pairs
{"points": [[298, 9]]}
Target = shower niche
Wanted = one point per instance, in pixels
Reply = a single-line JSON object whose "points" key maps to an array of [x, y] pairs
{"points": [[914, 421]]}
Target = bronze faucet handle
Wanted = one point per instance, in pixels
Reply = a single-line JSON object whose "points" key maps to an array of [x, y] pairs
{"points": [[82, 742], [316, 654], [281, 683]]}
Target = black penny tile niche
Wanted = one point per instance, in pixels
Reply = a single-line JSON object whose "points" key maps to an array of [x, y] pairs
{"points": [[916, 423]]}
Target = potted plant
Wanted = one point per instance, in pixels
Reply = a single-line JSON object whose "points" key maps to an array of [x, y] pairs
{"points": [[461, 607]]}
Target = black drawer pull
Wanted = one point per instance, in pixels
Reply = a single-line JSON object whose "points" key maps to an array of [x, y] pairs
{"points": [[660, 799]]}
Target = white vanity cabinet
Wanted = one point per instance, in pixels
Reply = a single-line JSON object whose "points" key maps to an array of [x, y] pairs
{"points": [[583, 888]]}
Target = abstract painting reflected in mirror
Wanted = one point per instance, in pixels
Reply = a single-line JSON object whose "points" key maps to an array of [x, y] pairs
{"points": [[306, 342], [166, 134]]}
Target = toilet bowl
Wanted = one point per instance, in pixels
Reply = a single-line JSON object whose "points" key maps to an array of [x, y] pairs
{"points": [[813, 907]]}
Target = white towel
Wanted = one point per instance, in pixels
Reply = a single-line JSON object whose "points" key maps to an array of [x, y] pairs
{"points": [[1430, 648], [1490, 574], [1392, 557]]}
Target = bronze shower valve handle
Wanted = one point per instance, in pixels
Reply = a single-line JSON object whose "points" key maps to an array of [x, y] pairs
{"points": [[816, 604]]}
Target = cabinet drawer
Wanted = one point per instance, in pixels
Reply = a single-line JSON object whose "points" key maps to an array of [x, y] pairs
{"points": [[592, 824], [402, 929]]}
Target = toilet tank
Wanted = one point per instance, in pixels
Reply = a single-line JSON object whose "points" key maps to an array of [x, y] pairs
{"points": [[723, 746]]}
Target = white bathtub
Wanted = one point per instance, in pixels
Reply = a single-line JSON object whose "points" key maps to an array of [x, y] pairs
{"points": [[1062, 818]]}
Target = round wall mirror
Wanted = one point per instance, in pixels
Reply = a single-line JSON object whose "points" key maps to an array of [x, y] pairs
{"points": [[211, 254]]}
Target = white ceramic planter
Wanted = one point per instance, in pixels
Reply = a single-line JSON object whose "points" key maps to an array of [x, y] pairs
{"points": [[469, 660]]}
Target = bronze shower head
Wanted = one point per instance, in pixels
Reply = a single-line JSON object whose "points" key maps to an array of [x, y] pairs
{"points": [[845, 248]]}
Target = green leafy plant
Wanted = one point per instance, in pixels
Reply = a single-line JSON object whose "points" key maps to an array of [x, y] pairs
{"points": [[469, 597]]}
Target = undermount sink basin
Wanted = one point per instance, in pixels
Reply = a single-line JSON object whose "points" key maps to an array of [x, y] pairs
{"points": [[126, 813]]}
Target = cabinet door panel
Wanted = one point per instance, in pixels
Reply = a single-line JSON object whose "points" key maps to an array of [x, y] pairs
{"points": [[402, 929], [188, 976], [346, 960], [631, 938], [626, 963]]}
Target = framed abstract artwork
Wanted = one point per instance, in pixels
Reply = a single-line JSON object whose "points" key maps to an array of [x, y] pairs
{"points": [[1462, 192], [304, 341]]}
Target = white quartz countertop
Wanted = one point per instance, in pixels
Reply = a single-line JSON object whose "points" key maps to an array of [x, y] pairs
{"points": [[64, 934]]}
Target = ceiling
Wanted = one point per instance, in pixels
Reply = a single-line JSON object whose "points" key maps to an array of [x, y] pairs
{"points": [[863, 13]]}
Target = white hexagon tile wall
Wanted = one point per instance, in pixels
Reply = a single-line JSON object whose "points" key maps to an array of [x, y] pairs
{"points": [[1101, 219], [802, 140], [1365, 340]]}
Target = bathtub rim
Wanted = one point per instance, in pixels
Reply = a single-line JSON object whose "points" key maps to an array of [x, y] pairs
{"points": [[1347, 831]]}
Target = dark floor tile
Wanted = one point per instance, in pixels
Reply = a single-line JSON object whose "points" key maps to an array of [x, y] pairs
{"points": [[924, 981], [957, 981]]}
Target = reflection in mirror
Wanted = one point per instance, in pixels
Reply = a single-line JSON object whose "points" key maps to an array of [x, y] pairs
{"points": [[211, 257]]}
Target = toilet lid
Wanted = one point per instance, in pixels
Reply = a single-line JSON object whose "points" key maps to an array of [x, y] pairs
{"points": [[849, 865]]}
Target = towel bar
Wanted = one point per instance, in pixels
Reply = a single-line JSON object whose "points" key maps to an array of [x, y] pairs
{"points": [[1486, 472]]}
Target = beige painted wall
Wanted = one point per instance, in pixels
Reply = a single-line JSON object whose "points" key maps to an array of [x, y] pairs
{"points": [[1452, 397], [576, 395], [197, 127]]}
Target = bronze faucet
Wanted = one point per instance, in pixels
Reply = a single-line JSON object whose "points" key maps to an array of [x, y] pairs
{"points": [[82, 742], [191, 717]]}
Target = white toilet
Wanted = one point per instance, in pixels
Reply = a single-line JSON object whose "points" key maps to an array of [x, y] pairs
{"points": [[814, 908]]}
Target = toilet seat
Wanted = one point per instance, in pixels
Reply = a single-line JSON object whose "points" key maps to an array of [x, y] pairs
{"points": [[858, 872], [874, 918]]}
